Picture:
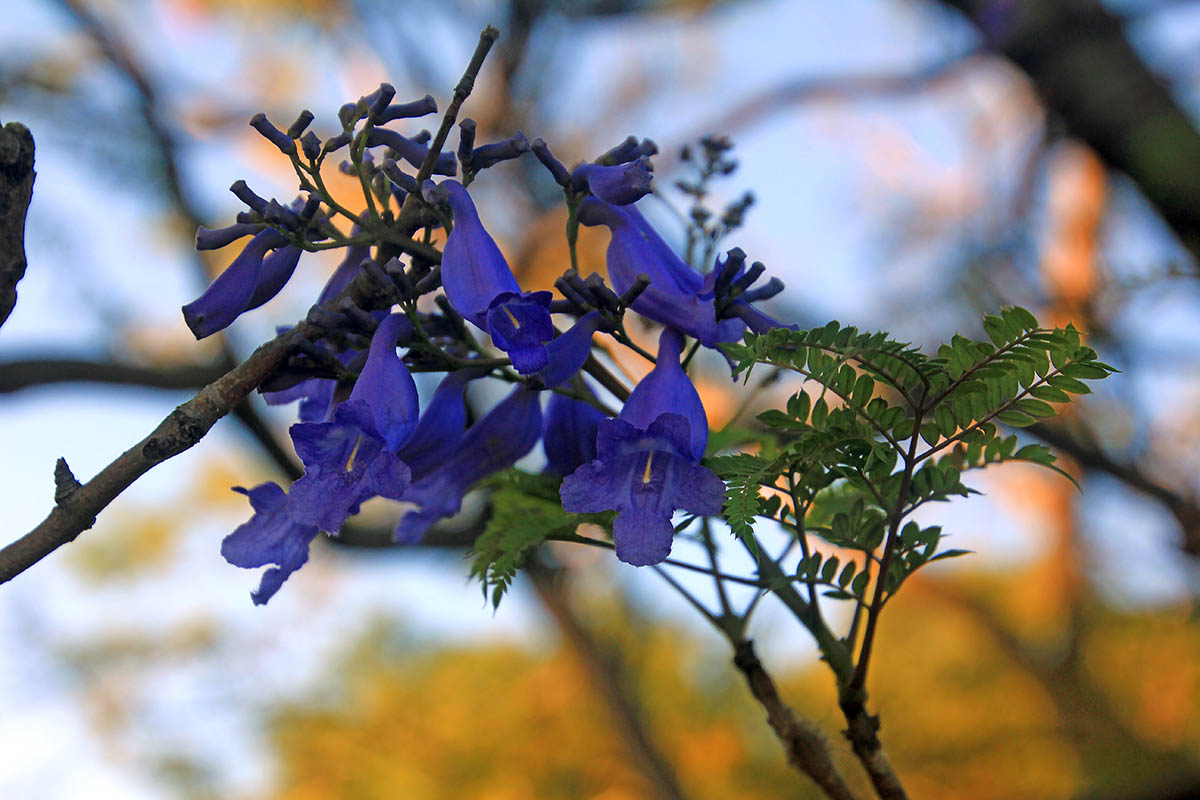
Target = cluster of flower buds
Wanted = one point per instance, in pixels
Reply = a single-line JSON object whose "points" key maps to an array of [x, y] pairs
{"points": [[361, 431]]}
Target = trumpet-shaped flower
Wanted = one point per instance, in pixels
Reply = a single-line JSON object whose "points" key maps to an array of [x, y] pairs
{"points": [[507, 432], [647, 462], [347, 460], [253, 278], [481, 287]]}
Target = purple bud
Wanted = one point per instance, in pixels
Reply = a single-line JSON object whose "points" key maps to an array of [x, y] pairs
{"points": [[729, 269], [300, 125], [489, 154], [377, 101], [743, 283], [281, 215], [634, 291], [242, 192], [764, 292], [625, 151], [310, 143], [556, 168], [411, 151], [216, 238], [466, 142], [338, 142], [272, 134], [397, 176], [417, 108], [620, 185], [350, 113]]}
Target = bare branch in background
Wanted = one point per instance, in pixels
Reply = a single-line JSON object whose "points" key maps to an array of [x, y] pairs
{"points": [[1185, 509], [1090, 76], [16, 190], [76, 511]]}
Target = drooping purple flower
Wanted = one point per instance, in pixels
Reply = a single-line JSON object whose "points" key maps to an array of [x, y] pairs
{"points": [[253, 278], [481, 287], [569, 433], [646, 463], [352, 457], [507, 432], [674, 296], [441, 426], [271, 536], [620, 184]]}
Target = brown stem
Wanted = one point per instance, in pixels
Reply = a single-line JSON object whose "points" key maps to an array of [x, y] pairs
{"points": [[76, 510], [806, 748], [863, 733]]}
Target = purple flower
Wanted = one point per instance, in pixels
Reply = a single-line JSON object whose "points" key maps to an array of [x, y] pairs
{"points": [[481, 287], [713, 308], [507, 432], [675, 295], [569, 433], [347, 460], [441, 426], [519, 324], [271, 536], [253, 278], [647, 462]]}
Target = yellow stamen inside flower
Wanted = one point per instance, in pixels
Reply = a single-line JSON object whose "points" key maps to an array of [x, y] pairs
{"points": [[649, 460], [353, 453], [511, 317]]}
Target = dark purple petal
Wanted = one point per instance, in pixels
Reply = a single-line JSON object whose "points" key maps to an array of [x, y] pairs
{"points": [[620, 185], [231, 293], [596, 486], [386, 387], [569, 433], [757, 320], [700, 491], [520, 325], [271, 536], [276, 271], [507, 432], [667, 389], [568, 352], [474, 271], [441, 426]]}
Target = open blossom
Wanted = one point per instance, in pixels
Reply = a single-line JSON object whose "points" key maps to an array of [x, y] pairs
{"points": [[347, 460], [647, 462], [481, 287]]}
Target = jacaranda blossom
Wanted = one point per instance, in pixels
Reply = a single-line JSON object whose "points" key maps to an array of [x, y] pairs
{"points": [[647, 462], [701, 306], [253, 278], [347, 461], [271, 536], [507, 432], [569, 433], [481, 287]]}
